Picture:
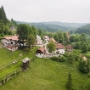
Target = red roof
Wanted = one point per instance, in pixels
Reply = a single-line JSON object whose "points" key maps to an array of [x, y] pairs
{"points": [[69, 47], [59, 46], [11, 37], [46, 37], [52, 39], [42, 49]]}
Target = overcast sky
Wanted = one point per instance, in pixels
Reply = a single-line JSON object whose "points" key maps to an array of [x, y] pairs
{"points": [[47, 10]]}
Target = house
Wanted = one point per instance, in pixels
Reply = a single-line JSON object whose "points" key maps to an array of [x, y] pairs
{"points": [[38, 40], [40, 52], [12, 28], [46, 38], [69, 48], [52, 39], [10, 42], [60, 49]]}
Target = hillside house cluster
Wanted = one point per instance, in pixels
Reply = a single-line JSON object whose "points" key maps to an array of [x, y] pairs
{"points": [[60, 48], [11, 43]]}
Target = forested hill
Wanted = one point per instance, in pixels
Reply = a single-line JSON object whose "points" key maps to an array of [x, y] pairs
{"points": [[5, 23], [84, 29], [55, 26]]}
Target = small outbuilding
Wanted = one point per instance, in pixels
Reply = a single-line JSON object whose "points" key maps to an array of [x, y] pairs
{"points": [[25, 63], [40, 52]]}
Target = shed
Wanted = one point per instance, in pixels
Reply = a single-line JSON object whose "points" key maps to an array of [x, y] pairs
{"points": [[25, 62], [41, 50]]}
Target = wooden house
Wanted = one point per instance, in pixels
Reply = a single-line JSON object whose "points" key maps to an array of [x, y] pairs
{"points": [[40, 52]]}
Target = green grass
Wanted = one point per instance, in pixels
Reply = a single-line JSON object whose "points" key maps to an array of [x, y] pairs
{"points": [[45, 74], [7, 57], [9, 70]]}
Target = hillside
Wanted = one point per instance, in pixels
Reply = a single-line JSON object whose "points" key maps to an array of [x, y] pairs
{"points": [[55, 26], [5, 23], [43, 74], [84, 29]]}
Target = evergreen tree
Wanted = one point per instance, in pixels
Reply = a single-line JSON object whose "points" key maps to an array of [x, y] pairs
{"points": [[3, 15], [69, 84]]}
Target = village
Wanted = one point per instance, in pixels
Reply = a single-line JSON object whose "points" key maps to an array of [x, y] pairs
{"points": [[11, 43]]}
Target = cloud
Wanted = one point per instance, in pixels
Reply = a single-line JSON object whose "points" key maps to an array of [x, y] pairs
{"points": [[48, 10]]}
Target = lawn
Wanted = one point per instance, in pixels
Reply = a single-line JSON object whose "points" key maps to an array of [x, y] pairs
{"points": [[45, 74], [7, 57]]}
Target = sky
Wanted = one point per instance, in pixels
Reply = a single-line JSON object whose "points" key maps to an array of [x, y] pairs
{"points": [[73, 11]]}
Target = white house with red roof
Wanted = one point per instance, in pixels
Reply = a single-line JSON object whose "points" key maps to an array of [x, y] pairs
{"points": [[40, 52], [10, 42], [60, 49]]}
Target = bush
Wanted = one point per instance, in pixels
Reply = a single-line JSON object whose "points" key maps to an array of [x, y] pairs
{"points": [[83, 67], [54, 58], [59, 59]]}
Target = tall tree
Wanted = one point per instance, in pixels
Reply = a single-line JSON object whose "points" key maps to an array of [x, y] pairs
{"points": [[31, 40], [69, 84], [83, 37], [3, 15], [66, 39], [13, 22], [40, 32], [33, 31], [51, 46], [23, 32]]}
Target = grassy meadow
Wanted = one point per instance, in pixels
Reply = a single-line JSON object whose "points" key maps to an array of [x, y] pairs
{"points": [[43, 74]]}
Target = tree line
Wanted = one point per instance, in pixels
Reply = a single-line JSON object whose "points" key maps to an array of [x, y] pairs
{"points": [[5, 23]]}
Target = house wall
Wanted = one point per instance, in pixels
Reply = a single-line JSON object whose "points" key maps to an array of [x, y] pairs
{"points": [[39, 55], [60, 51], [38, 40], [6, 42]]}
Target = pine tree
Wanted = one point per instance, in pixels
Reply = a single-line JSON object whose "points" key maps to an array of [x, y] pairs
{"points": [[3, 15], [69, 84]]}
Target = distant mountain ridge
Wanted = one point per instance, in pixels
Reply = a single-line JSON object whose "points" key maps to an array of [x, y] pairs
{"points": [[54, 26], [84, 29]]}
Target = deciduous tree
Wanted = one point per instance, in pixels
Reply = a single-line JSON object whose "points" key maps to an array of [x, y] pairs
{"points": [[51, 46]]}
